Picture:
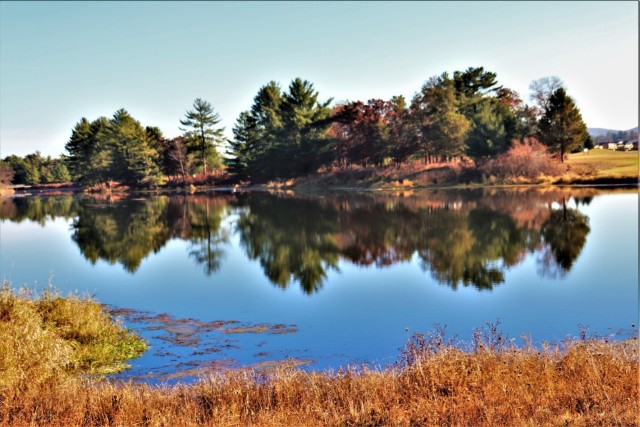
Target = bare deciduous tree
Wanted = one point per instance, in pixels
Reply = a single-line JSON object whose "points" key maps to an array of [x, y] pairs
{"points": [[542, 89], [178, 154]]}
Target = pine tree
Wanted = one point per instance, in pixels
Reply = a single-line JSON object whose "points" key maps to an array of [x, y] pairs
{"points": [[79, 148], [304, 127], [266, 111], [136, 162], [241, 148], [561, 127], [400, 130], [442, 128], [200, 128], [117, 150], [488, 134]]}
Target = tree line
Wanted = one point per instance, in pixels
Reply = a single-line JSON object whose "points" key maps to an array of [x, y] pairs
{"points": [[33, 168], [292, 132], [615, 136], [464, 114]]}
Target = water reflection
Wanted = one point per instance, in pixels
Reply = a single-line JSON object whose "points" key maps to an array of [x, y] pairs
{"points": [[464, 238], [203, 228], [124, 232], [566, 232], [294, 239]]}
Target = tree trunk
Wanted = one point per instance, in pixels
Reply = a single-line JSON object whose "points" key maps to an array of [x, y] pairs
{"points": [[204, 151]]}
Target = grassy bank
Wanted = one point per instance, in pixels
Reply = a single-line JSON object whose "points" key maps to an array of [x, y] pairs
{"points": [[47, 338], [605, 164], [47, 342], [595, 167]]}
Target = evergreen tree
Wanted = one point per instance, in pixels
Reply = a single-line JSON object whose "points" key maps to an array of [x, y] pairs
{"points": [[283, 134], [490, 110], [488, 134], [155, 139], [266, 108], [60, 172], [33, 167], [106, 151], [441, 127], [200, 129], [99, 157], [304, 126], [588, 142], [561, 127], [262, 151], [399, 130], [245, 136], [473, 84], [79, 148], [136, 160]]}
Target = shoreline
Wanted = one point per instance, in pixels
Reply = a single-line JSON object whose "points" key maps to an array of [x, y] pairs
{"points": [[311, 188]]}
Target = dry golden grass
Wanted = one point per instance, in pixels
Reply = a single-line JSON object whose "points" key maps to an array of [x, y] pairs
{"points": [[584, 382], [47, 338], [605, 163]]}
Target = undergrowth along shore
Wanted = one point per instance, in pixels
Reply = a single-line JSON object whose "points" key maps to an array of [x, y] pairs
{"points": [[436, 381]]}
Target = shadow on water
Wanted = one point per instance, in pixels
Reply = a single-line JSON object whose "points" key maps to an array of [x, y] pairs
{"points": [[462, 237]]}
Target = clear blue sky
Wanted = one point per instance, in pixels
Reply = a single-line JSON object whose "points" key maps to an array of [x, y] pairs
{"points": [[62, 61]]}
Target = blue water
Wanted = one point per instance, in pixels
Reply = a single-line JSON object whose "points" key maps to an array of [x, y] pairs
{"points": [[354, 275]]}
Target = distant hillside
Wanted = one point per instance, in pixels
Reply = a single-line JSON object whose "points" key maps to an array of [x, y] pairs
{"points": [[602, 132]]}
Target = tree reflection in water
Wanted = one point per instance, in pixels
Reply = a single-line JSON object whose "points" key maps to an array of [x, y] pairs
{"points": [[565, 232], [207, 237], [293, 239], [467, 237]]}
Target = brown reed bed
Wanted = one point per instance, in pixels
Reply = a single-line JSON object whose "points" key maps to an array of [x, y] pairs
{"points": [[489, 382]]}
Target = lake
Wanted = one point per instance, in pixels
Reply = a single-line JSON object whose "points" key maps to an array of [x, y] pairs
{"points": [[224, 280]]}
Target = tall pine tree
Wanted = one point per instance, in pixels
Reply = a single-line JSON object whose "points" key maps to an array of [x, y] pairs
{"points": [[242, 146], [200, 129]]}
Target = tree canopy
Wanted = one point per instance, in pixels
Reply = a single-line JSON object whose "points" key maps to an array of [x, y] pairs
{"points": [[283, 134], [113, 150]]}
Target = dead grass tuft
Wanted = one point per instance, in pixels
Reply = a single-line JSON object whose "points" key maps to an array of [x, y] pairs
{"points": [[46, 338]]}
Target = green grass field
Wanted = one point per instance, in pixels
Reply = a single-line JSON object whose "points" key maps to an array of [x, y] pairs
{"points": [[606, 163]]}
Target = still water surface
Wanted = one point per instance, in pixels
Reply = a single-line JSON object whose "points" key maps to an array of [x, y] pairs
{"points": [[223, 280]]}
